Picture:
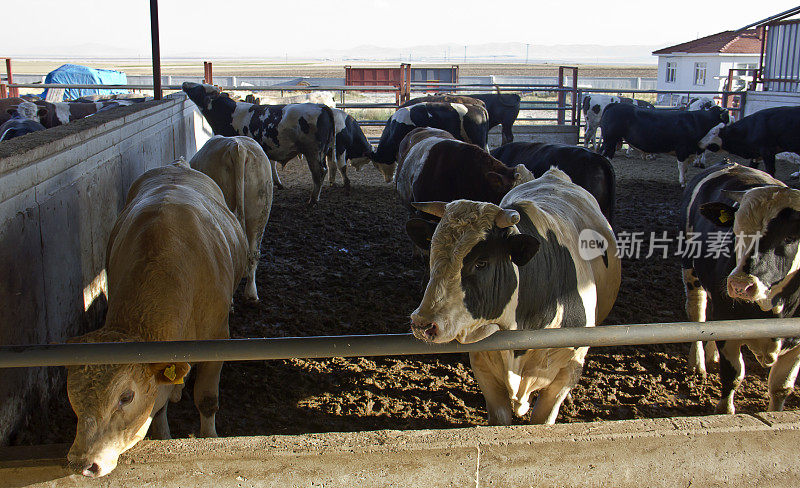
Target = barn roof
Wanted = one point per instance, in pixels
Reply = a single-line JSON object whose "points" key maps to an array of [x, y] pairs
{"points": [[727, 42]]}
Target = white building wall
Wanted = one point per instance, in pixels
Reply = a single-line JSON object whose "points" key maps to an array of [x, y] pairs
{"points": [[717, 67]]}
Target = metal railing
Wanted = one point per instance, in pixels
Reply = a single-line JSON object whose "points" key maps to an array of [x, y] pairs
{"points": [[387, 344]]}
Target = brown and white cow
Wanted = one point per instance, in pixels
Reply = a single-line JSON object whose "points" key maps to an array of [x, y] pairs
{"points": [[174, 258], [519, 265], [244, 174]]}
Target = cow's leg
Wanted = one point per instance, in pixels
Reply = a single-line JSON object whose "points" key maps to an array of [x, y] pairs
{"points": [[683, 166], [696, 301], [276, 180], [342, 165], [318, 168], [769, 162], [731, 373], [782, 376], [332, 166], [206, 396], [159, 427], [508, 133], [545, 410], [498, 405], [253, 256], [701, 161]]}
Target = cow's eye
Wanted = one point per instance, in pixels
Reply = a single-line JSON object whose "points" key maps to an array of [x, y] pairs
{"points": [[481, 263], [126, 398]]}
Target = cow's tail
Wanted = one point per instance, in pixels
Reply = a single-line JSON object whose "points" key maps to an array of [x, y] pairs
{"points": [[238, 160], [327, 136], [502, 98]]}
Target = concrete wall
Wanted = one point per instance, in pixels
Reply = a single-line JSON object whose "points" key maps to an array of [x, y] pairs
{"points": [[552, 134], [759, 100], [60, 193]]}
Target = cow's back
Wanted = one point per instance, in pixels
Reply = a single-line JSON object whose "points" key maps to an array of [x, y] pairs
{"points": [[177, 236], [557, 207]]}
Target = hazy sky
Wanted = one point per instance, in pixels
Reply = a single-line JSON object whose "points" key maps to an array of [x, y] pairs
{"points": [[265, 28]]}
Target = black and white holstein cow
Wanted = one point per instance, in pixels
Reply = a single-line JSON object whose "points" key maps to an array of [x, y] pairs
{"points": [[503, 110], [585, 168], [519, 266], [24, 120], [758, 279], [351, 145], [659, 131], [283, 131], [761, 135], [593, 105], [468, 123]]}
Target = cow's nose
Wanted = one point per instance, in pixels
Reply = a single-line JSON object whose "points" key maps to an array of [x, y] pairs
{"points": [[91, 470], [423, 328], [742, 287]]}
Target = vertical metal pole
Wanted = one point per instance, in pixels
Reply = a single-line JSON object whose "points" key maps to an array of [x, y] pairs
{"points": [[3, 93], [12, 92], [527, 46], [575, 99], [156, 49], [561, 97]]}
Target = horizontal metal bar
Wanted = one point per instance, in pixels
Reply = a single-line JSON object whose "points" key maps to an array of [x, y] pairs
{"points": [[366, 105], [226, 88], [387, 344]]}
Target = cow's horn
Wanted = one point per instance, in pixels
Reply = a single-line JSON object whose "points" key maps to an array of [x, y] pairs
{"points": [[506, 218], [433, 208]]}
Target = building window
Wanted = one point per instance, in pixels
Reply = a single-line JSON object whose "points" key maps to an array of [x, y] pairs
{"points": [[699, 73], [672, 67]]}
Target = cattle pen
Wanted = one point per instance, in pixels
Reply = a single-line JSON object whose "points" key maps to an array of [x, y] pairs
{"points": [[353, 301]]}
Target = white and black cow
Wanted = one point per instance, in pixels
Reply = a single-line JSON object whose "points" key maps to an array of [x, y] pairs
{"points": [[24, 120], [60, 113], [659, 131], [759, 279], [283, 131], [761, 135], [351, 145], [503, 110], [467, 123], [518, 266], [585, 168], [593, 105]]}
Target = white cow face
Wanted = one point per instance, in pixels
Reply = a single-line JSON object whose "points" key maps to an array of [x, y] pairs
{"points": [[475, 256], [766, 226], [712, 141], [387, 170], [114, 405]]}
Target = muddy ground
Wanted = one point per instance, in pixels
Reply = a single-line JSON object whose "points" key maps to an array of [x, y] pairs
{"points": [[345, 267]]}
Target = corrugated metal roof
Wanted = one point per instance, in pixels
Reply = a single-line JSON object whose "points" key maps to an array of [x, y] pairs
{"points": [[727, 42]]}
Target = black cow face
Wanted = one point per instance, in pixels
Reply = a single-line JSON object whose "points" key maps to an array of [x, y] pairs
{"points": [[487, 275]]}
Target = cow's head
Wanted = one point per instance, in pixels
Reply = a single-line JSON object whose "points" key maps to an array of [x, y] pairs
{"points": [[203, 95], [766, 226], [114, 405], [387, 170], [28, 111], [475, 252], [712, 141]]}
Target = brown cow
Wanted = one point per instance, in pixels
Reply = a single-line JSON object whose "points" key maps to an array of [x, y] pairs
{"points": [[174, 258], [445, 98], [7, 104], [243, 172]]}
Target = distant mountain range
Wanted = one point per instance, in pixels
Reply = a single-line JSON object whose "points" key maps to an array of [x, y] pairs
{"points": [[507, 51], [512, 52]]}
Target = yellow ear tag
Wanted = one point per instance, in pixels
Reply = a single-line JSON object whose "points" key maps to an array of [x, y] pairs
{"points": [[169, 373], [724, 216]]}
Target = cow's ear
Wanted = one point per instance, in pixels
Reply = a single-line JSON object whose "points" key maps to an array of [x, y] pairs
{"points": [[720, 214], [11, 111], [170, 373], [41, 112], [420, 231], [498, 182], [522, 248]]}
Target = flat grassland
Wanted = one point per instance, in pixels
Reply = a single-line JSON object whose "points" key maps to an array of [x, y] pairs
{"points": [[265, 68]]}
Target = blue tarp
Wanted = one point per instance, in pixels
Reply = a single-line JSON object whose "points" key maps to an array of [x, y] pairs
{"points": [[81, 75]]}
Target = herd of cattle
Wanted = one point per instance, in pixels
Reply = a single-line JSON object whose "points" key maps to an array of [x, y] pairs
{"points": [[502, 231]]}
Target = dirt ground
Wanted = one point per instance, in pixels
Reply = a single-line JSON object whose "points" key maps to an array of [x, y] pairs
{"points": [[345, 267]]}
